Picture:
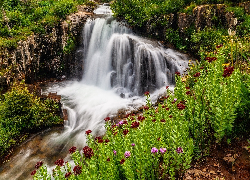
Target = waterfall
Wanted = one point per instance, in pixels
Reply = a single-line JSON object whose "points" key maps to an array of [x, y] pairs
{"points": [[117, 59], [119, 67]]}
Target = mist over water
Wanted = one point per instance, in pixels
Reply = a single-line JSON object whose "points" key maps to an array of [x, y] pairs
{"points": [[118, 68]]}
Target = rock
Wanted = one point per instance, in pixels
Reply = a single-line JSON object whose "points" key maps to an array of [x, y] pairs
{"points": [[41, 56]]}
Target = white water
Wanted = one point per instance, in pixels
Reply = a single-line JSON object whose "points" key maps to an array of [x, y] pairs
{"points": [[117, 64]]}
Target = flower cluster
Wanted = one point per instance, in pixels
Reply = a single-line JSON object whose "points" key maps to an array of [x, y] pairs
{"points": [[88, 132], [59, 162], [179, 150], [38, 164], [77, 170], [197, 74], [154, 150], [146, 93], [141, 118], [72, 150], [178, 73], [211, 59], [67, 174], [228, 71], [122, 161], [127, 154], [88, 152], [135, 124], [125, 132], [33, 172], [181, 106], [107, 119]]}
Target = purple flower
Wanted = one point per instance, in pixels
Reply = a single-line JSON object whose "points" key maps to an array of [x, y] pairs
{"points": [[163, 150], [133, 144], [114, 152], [179, 150], [154, 150], [127, 154], [175, 99]]}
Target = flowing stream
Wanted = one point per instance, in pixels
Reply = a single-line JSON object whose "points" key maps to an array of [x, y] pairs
{"points": [[119, 67]]}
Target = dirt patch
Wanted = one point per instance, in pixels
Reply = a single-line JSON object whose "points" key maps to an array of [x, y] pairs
{"points": [[229, 162]]}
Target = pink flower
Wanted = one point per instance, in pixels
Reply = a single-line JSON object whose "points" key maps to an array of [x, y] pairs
{"points": [[154, 150], [163, 150], [179, 150], [127, 154]]}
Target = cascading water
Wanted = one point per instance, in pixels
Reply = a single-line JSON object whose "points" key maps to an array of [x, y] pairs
{"points": [[118, 68]]}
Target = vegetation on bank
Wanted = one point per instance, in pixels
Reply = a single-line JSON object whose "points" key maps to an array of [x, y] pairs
{"points": [[19, 19], [209, 105], [21, 112]]}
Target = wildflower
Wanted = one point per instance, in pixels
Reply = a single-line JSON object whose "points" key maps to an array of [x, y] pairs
{"points": [[88, 132], [115, 133], [163, 120], [72, 149], [114, 152], [141, 118], [178, 73], [167, 87], [106, 141], [163, 150], [179, 150], [59, 162], [119, 123], [167, 109], [145, 107], [133, 144], [122, 161], [197, 74], [125, 132], [127, 154], [88, 152], [211, 59], [228, 71], [188, 93], [159, 138], [38, 164], [135, 124], [125, 122], [108, 159], [107, 119], [181, 106], [100, 140], [175, 99], [202, 67], [67, 174], [170, 116], [33, 172], [146, 93], [77, 170], [187, 87], [153, 120], [154, 150]]}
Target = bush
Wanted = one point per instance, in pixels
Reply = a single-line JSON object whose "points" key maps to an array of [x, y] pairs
{"points": [[20, 112]]}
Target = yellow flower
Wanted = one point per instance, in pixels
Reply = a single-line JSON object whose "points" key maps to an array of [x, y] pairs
{"points": [[226, 64]]}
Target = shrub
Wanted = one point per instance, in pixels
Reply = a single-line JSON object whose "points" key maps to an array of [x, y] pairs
{"points": [[20, 112]]}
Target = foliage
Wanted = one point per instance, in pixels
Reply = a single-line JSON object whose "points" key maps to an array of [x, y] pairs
{"points": [[22, 18], [20, 111], [209, 105]]}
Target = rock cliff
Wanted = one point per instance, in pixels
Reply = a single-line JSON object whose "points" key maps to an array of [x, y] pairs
{"points": [[45, 56]]}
